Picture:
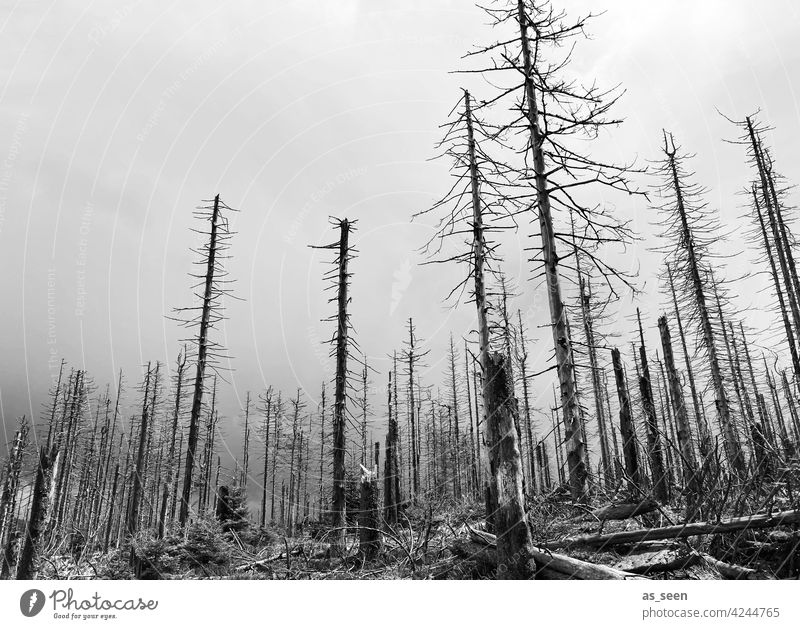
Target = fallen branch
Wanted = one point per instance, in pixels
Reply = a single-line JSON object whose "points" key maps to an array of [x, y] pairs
{"points": [[766, 520], [728, 570], [624, 510], [556, 566]]}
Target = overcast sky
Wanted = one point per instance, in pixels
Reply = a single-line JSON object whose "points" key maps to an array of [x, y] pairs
{"points": [[117, 119]]}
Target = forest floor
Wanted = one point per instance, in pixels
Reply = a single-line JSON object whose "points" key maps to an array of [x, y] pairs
{"points": [[442, 539]]}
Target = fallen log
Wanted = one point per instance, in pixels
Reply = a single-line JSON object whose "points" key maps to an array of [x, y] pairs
{"points": [[659, 561], [553, 565], [624, 510], [765, 520], [729, 570]]}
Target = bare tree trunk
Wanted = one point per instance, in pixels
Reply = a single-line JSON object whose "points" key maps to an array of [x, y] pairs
{"points": [[369, 520], [576, 448], [655, 451], [133, 505], [787, 326], [340, 398], [626, 428], [472, 443], [689, 466], [202, 351], [34, 527], [732, 449], [456, 435], [523, 360], [510, 523], [267, 417]]}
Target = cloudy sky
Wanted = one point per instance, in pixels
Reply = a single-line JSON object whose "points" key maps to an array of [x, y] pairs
{"points": [[117, 119]]}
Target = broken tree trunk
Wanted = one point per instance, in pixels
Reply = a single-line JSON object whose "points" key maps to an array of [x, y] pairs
{"points": [[731, 525], [691, 479], [369, 535], [513, 550], [556, 566], [654, 450], [626, 426]]}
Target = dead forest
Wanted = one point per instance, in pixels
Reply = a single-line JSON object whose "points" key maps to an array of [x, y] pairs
{"points": [[676, 459]]}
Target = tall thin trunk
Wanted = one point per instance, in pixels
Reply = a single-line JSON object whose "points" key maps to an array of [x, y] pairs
{"points": [[523, 365], [732, 449], [626, 428], [690, 478], [654, 449], [576, 448], [202, 351], [340, 398]]}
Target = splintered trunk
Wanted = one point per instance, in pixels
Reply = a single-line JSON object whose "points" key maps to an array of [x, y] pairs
{"points": [[369, 533], [626, 428], [412, 407], [510, 522], [391, 469], [202, 351], [654, 450], [576, 448], [732, 449], [340, 398], [690, 478]]}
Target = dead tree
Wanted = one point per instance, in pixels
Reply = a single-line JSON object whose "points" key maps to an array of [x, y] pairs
{"points": [[522, 360], [473, 206], [212, 255], [368, 519], [391, 468], [550, 112], [412, 356], [626, 428], [704, 435], [266, 406], [132, 521], [654, 450], [245, 446], [473, 445], [340, 276], [275, 450], [772, 234], [456, 434], [26, 568], [691, 479], [172, 464], [691, 230]]}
